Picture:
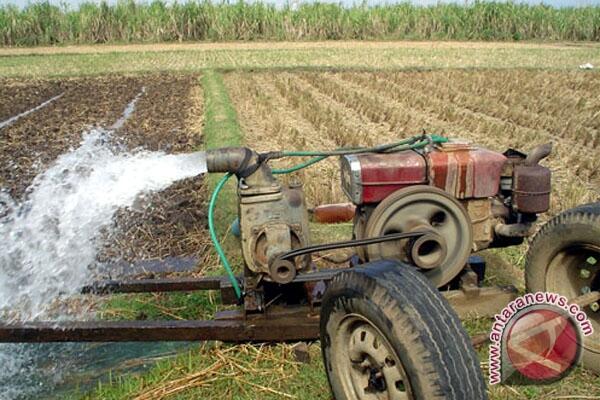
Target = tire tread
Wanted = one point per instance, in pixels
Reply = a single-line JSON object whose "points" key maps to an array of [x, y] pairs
{"points": [[424, 320]]}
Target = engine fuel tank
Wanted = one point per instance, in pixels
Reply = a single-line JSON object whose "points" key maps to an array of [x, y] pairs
{"points": [[465, 172]]}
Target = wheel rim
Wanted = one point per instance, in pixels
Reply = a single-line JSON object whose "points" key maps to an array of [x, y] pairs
{"points": [[572, 272], [423, 208], [368, 367]]}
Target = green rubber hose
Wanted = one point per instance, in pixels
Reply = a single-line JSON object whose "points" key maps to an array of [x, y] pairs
{"points": [[215, 239], [300, 166], [317, 156]]}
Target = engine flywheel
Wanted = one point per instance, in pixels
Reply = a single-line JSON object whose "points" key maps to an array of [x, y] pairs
{"points": [[442, 254]]}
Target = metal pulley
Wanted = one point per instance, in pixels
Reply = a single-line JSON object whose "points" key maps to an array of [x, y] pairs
{"points": [[442, 252]]}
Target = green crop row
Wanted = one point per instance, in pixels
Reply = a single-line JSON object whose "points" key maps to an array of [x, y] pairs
{"points": [[128, 21]]}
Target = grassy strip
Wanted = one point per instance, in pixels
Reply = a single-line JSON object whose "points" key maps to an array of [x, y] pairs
{"points": [[355, 56], [129, 21], [221, 129], [221, 125]]}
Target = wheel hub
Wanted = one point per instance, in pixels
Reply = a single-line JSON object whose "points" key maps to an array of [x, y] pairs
{"points": [[368, 365], [575, 271], [376, 380]]}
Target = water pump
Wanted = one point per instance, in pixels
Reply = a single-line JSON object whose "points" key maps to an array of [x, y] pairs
{"points": [[421, 206], [273, 217]]}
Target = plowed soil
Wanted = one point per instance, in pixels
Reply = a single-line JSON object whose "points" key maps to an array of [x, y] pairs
{"points": [[167, 117]]}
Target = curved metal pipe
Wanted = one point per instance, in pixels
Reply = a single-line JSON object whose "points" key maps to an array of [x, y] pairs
{"points": [[240, 161], [515, 230], [538, 154]]}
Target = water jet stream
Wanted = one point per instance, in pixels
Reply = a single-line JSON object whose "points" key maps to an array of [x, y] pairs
{"points": [[49, 244], [50, 241]]}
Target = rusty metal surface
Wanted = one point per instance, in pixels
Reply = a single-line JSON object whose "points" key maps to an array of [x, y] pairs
{"points": [[259, 330], [272, 224], [123, 269], [480, 214], [333, 213], [480, 302], [278, 324], [240, 161], [531, 188], [154, 285], [375, 176], [466, 173], [428, 209]]}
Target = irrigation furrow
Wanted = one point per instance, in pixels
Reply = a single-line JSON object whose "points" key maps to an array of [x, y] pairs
{"points": [[13, 119], [522, 134], [327, 119], [34, 141], [167, 117], [420, 118], [370, 106], [355, 114], [406, 123], [270, 122], [129, 109]]}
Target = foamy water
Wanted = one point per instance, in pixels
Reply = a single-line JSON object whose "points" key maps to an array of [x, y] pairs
{"points": [[50, 241]]}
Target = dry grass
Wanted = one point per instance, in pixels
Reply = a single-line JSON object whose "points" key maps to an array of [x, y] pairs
{"points": [[95, 60], [229, 372], [266, 45]]}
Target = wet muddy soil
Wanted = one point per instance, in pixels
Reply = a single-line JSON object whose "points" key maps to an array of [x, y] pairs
{"points": [[167, 116]]}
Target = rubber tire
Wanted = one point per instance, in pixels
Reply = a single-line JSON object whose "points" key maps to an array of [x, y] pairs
{"points": [[575, 226], [421, 327]]}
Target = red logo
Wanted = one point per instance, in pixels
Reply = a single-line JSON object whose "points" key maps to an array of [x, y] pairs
{"points": [[543, 344]]}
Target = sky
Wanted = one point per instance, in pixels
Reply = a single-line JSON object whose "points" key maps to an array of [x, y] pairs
{"points": [[556, 3]]}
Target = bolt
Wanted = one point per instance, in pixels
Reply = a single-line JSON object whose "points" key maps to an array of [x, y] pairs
{"points": [[595, 306], [584, 273], [585, 290]]}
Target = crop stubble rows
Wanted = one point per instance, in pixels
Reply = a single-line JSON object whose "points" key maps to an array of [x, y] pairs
{"points": [[496, 109]]}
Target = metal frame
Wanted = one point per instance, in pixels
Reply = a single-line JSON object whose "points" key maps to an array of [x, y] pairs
{"points": [[276, 323]]}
